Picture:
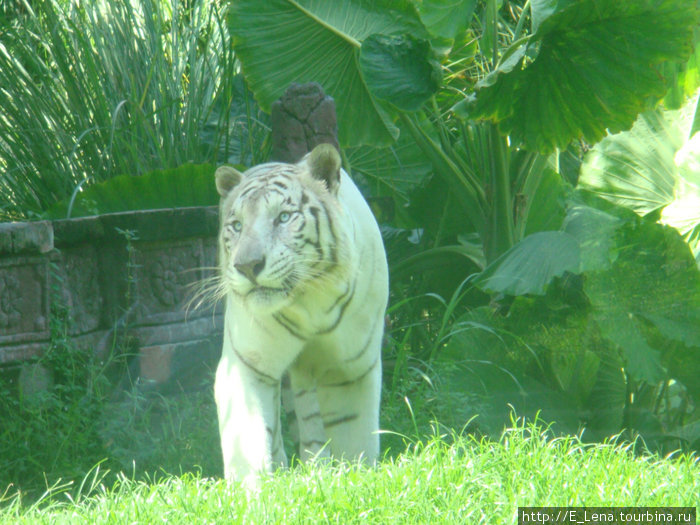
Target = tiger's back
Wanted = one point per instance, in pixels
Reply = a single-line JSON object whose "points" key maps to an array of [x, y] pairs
{"points": [[305, 276]]}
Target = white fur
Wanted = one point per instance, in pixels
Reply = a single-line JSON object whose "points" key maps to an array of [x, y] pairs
{"points": [[258, 349]]}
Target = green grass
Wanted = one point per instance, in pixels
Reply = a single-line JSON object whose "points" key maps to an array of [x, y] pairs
{"points": [[159, 460], [48, 444], [93, 414], [441, 480]]}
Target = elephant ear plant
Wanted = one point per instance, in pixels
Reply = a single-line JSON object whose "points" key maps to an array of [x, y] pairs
{"points": [[500, 97], [664, 143], [584, 67]]}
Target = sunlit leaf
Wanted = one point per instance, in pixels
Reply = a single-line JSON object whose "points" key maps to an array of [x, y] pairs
{"points": [[446, 18], [653, 166], [683, 212], [596, 64]]}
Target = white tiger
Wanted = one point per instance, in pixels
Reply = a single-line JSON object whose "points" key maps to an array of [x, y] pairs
{"points": [[305, 277]]}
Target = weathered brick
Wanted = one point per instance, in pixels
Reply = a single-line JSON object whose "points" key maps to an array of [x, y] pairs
{"points": [[6, 238], [154, 363], [80, 230], [35, 237]]}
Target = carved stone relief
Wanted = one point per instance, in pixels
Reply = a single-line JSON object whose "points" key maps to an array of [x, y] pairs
{"points": [[166, 275], [10, 314], [301, 119], [23, 301]]}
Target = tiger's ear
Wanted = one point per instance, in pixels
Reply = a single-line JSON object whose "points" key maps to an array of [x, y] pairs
{"points": [[324, 165], [227, 178]]}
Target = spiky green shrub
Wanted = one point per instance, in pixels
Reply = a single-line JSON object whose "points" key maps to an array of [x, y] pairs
{"points": [[96, 89]]}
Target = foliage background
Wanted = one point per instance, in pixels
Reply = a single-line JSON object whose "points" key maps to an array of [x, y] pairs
{"points": [[98, 89], [557, 300], [542, 242]]}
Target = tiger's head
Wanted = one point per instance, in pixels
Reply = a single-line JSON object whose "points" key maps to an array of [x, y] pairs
{"points": [[279, 230]]}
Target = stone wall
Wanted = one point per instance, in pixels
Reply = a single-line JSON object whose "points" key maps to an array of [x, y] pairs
{"points": [[126, 279], [125, 276]]}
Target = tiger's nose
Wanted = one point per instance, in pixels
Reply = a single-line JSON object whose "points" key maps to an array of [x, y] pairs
{"points": [[251, 268]]}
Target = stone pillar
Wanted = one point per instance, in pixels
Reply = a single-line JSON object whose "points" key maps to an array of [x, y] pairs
{"points": [[24, 292], [302, 118]]}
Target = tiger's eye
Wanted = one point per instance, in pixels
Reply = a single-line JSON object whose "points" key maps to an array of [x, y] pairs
{"points": [[283, 217], [237, 226]]}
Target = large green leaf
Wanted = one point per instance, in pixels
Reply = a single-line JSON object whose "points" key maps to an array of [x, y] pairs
{"points": [[446, 18], [187, 185], [641, 360], [390, 171], [635, 168], [606, 403], [592, 229], [400, 70], [683, 212], [543, 9], [655, 166], [547, 208], [589, 67], [530, 265], [501, 359], [283, 41], [648, 297]]}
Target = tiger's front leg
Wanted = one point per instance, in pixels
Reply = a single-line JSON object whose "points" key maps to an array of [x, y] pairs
{"points": [[248, 406], [350, 401], [350, 412]]}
